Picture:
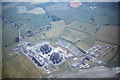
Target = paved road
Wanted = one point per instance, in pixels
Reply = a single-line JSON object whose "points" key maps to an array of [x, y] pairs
{"points": [[96, 72]]}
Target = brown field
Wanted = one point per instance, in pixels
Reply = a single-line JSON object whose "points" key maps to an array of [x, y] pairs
{"points": [[75, 3], [108, 34], [21, 67]]}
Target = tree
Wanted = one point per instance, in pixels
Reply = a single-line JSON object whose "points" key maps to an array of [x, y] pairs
{"points": [[17, 39]]}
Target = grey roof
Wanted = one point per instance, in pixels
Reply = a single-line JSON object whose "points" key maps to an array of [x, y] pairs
{"points": [[63, 43], [74, 50]]}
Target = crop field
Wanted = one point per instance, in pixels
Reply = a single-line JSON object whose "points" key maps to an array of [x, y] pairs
{"points": [[31, 22], [36, 20], [105, 16], [35, 39], [67, 13], [72, 35], [27, 21], [7, 52], [102, 43], [82, 45], [108, 34], [10, 12], [106, 58], [57, 28], [56, 7], [21, 9], [27, 5], [36, 11], [8, 5], [110, 54], [24, 68], [115, 61], [83, 27], [42, 4], [9, 34]]}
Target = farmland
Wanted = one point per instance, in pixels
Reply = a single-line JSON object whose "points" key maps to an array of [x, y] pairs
{"points": [[57, 28], [72, 35], [24, 68], [70, 31]]}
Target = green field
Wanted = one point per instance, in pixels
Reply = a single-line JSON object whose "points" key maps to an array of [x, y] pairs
{"points": [[27, 21], [72, 35], [35, 39], [108, 34], [24, 68], [83, 27], [9, 34], [10, 12], [57, 28]]}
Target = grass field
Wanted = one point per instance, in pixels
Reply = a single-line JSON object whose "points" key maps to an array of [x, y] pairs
{"points": [[111, 57], [57, 28], [36, 11], [24, 68], [105, 16], [31, 22], [83, 27], [9, 34], [108, 34], [72, 35], [35, 39], [106, 58], [63, 11], [7, 5], [9, 12], [83, 45]]}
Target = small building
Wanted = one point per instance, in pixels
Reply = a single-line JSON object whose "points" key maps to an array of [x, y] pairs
{"points": [[74, 65], [39, 63], [46, 67]]}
